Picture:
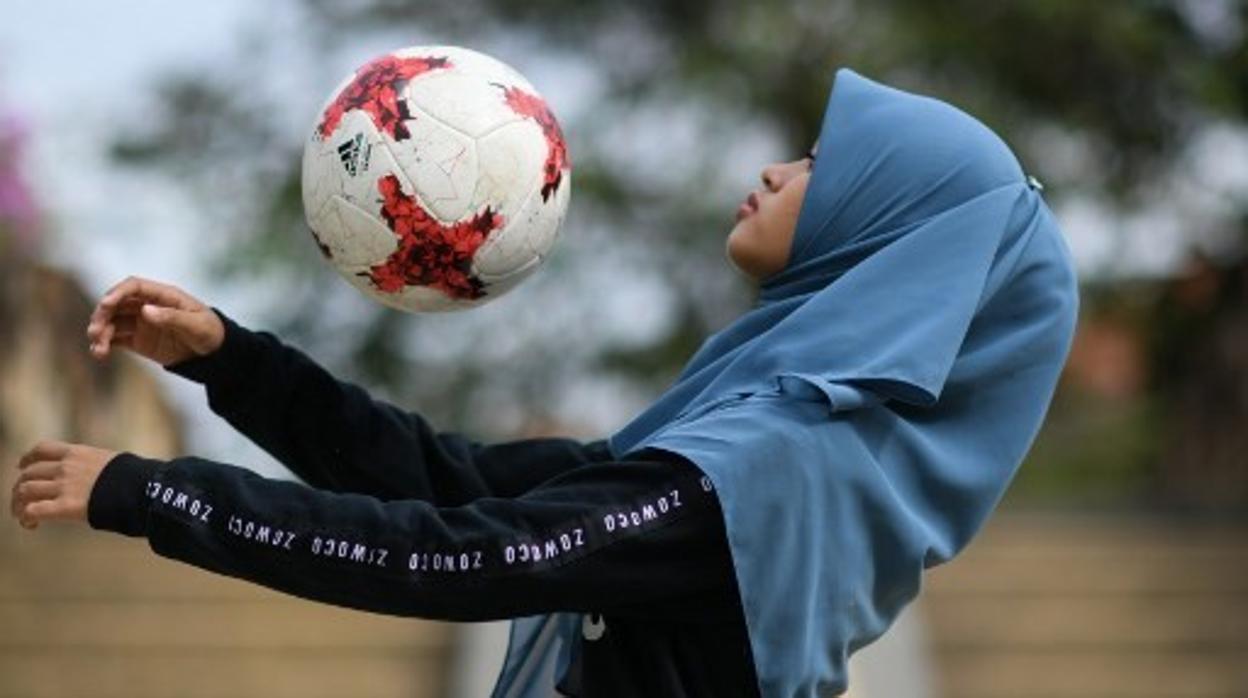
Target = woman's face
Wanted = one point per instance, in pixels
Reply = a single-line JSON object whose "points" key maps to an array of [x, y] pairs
{"points": [[760, 242]]}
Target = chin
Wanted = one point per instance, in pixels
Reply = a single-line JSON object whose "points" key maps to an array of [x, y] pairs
{"points": [[741, 260]]}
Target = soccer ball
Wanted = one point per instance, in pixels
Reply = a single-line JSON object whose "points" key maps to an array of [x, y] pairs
{"points": [[435, 179]]}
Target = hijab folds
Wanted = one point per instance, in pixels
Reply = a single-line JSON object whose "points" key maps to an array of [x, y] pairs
{"points": [[862, 420]]}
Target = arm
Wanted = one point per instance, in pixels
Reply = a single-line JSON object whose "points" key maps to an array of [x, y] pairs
{"points": [[335, 436], [330, 433], [599, 538]]}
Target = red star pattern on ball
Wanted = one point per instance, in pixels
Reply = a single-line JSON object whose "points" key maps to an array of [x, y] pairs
{"points": [[375, 89], [430, 253], [535, 108]]}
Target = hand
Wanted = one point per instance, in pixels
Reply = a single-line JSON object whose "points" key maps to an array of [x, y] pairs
{"points": [[155, 320], [56, 482]]}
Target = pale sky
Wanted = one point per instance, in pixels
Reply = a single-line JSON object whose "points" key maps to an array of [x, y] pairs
{"points": [[73, 71]]}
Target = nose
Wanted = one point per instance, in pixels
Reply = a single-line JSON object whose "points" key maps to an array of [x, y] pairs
{"points": [[775, 175], [771, 178]]}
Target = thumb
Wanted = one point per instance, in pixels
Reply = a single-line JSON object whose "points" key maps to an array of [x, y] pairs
{"points": [[188, 324]]}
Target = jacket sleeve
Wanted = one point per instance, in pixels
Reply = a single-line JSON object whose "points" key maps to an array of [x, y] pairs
{"points": [[335, 436], [606, 538]]}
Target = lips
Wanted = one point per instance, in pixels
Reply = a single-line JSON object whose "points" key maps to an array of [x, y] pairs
{"points": [[749, 206]]}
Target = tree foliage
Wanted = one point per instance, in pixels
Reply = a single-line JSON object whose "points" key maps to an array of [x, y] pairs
{"points": [[1129, 83]]}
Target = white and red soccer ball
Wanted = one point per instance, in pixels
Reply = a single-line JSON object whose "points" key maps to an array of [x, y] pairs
{"points": [[435, 179]]}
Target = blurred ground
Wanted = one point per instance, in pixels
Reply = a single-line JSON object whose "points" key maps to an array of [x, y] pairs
{"points": [[91, 616], [86, 615], [1064, 605]]}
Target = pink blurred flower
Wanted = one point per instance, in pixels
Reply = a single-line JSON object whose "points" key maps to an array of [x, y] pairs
{"points": [[19, 216]]}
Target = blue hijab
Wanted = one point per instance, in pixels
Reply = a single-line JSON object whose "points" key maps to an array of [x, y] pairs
{"points": [[863, 419]]}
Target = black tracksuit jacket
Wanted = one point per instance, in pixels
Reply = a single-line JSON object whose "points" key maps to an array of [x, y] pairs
{"points": [[403, 520]]}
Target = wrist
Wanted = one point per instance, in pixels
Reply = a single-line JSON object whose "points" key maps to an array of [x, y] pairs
{"points": [[117, 501], [204, 368]]}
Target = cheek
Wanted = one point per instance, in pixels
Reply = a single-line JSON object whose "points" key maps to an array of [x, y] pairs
{"points": [[789, 203], [777, 220]]}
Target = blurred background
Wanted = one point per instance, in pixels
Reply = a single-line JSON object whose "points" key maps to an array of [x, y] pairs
{"points": [[164, 140]]}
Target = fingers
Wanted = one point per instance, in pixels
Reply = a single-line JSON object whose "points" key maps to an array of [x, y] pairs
{"points": [[37, 483], [49, 510], [40, 493], [127, 297], [17, 506], [27, 493], [124, 324], [43, 451], [45, 470], [163, 294]]}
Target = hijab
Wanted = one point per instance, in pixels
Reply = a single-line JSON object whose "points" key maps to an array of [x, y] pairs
{"points": [[861, 421]]}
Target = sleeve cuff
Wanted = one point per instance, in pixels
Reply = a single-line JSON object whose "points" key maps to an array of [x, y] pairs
{"points": [[208, 368], [117, 502]]}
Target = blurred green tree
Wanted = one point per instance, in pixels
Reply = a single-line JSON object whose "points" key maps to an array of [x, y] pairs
{"points": [[1127, 86]]}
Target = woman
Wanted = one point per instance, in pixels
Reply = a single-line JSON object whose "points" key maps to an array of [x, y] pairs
{"points": [[770, 514]]}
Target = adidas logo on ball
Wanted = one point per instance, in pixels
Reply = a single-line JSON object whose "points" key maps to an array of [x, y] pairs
{"points": [[351, 151]]}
